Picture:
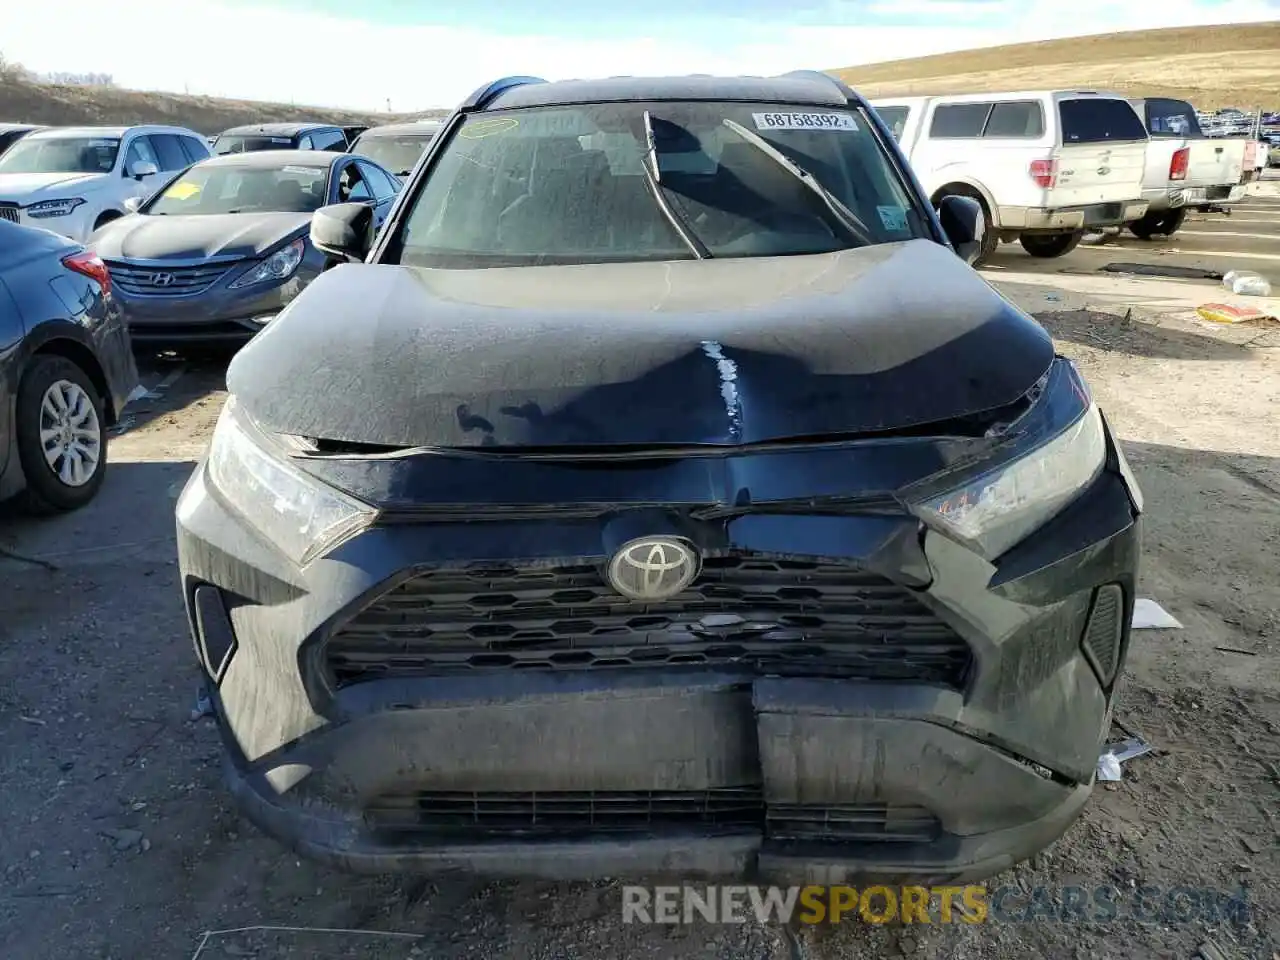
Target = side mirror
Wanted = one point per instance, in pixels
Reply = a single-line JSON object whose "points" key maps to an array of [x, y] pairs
{"points": [[964, 224], [344, 231], [143, 169], [133, 204]]}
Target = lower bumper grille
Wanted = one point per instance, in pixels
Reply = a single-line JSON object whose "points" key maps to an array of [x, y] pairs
{"points": [[445, 815], [773, 616]]}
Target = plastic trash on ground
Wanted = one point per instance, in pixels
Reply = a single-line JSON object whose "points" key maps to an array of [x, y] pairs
{"points": [[1225, 313], [1116, 754], [1246, 283], [1149, 615]]}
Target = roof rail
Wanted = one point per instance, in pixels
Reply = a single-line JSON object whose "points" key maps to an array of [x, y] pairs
{"points": [[490, 91], [845, 90]]}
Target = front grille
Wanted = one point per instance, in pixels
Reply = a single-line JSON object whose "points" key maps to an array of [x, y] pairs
{"points": [[9, 211], [777, 617], [563, 812], [166, 281], [852, 823], [457, 815]]}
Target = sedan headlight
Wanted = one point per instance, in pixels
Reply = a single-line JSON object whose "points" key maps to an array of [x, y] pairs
{"points": [[53, 208], [298, 514], [279, 266], [996, 510]]}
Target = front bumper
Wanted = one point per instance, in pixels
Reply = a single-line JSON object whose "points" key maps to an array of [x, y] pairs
{"points": [[213, 313], [940, 781], [77, 225], [1065, 219]]}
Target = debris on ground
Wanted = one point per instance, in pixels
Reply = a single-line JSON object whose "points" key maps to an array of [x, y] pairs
{"points": [[1246, 283], [1149, 615], [1160, 270], [1115, 754], [1226, 313], [203, 707]]}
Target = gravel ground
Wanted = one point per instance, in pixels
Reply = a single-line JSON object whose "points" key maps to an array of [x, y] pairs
{"points": [[122, 843]]}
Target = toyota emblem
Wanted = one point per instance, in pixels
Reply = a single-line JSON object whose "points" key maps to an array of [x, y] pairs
{"points": [[161, 279], [653, 568]]}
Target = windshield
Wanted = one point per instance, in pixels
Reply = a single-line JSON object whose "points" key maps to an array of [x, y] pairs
{"points": [[397, 154], [251, 144], [1171, 118], [568, 185], [225, 188], [61, 155]]}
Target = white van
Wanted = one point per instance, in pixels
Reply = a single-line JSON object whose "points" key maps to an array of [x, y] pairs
{"points": [[1046, 165]]}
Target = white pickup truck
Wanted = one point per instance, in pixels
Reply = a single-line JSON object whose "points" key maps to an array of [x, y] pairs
{"points": [[1185, 170], [1046, 165]]}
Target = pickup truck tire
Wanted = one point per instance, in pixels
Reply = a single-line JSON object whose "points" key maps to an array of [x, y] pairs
{"points": [[1165, 223], [1050, 244]]}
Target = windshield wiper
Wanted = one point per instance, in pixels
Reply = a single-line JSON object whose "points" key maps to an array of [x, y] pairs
{"points": [[844, 216], [653, 176]]}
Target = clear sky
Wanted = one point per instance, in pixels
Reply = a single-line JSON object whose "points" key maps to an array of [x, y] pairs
{"points": [[430, 53]]}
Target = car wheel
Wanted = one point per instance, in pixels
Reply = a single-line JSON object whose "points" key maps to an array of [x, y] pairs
{"points": [[1172, 221], [1147, 226], [1050, 244], [62, 443]]}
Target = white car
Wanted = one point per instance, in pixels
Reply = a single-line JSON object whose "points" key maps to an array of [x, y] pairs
{"points": [[72, 180]]}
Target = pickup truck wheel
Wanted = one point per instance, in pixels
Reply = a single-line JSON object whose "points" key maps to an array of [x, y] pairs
{"points": [[1146, 227], [1171, 222], [1050, 244]]}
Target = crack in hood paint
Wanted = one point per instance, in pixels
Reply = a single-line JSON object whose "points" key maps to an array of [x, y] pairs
{"points": [[723, 352], [196, 237]]}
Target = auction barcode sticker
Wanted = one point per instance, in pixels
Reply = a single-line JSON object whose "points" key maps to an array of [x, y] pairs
{"points": [[804, 121]]}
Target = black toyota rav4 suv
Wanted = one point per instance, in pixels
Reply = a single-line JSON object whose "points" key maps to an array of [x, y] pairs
{"points": [[660, 491]]}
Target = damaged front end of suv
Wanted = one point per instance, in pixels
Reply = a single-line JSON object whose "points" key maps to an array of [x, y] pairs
{"points": [[760, 537]]}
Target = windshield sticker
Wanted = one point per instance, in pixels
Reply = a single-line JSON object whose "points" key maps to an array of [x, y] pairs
{"points": [[487, 128], [104, 143], [281, 140], [305, 171], [804, 121], [893, 218], [182, 191]]}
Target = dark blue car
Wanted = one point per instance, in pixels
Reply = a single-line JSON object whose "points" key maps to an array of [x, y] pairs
{"points": [[221, 249], [66, 369]]}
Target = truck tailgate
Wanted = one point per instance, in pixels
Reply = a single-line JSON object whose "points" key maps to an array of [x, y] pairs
{"points": [[1098, 173], [1214, 162]]}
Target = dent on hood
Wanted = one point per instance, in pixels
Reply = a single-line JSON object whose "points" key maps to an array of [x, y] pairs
{"points": [[714, 352]]}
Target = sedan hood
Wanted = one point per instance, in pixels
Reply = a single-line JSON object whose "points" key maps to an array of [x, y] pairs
{"points": [[27, 188], [140, 237], [724, 352]]}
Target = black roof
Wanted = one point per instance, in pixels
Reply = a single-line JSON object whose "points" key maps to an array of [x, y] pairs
{"points": [[809, 89], [277, 129]]}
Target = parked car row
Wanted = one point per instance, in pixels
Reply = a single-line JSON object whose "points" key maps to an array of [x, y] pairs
{"points": [[1047, 166]]}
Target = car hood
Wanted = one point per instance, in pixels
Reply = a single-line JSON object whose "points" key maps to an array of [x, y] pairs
{"points": [[726, 352], [140, 237], [31, 187]]}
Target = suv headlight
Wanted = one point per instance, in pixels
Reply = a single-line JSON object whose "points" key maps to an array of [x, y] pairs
{"points": [[298, 514], [279, 266], [999, 508], [53, 208]]}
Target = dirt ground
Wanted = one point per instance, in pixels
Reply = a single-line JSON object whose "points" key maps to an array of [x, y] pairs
{"points": [[121, 842]]}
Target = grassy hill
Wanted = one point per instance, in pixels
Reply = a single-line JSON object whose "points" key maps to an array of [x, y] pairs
{"points": [[1221, 66], [23, 101]]}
